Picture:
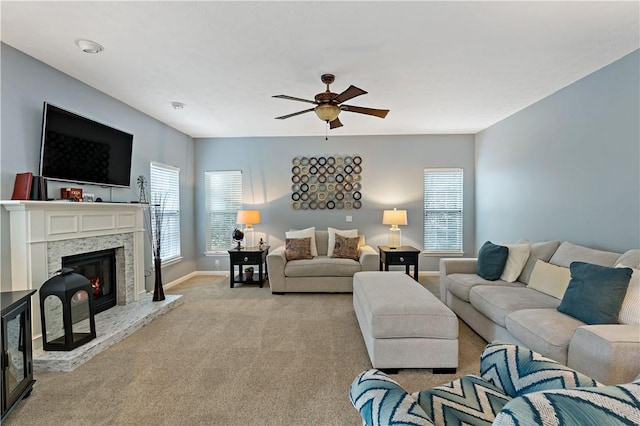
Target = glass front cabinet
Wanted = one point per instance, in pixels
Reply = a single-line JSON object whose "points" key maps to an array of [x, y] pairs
{"points": [[16, 357]]}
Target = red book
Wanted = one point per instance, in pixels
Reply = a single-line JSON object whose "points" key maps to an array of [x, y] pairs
{"points": [[22, 186]]}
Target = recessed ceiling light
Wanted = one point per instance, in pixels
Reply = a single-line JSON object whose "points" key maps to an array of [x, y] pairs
{"points": [[177, 105], [89, 46]]}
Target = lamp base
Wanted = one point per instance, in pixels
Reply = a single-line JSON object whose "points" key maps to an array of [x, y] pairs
{"points": [[395, 237], [249, 239]]}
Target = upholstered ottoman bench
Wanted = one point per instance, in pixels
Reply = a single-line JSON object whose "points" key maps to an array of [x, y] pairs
{"points": [[403, 324]]}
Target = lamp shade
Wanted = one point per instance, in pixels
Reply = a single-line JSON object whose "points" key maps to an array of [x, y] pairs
{"points": [[248, 217], [327, 112], [394, 217]]}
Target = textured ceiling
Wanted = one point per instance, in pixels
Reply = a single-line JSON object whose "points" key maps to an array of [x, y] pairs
{"points": [[440, 67]]}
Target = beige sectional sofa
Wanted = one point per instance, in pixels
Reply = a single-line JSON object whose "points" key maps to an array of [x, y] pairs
{"points": [[516, 313], [322, 274]]}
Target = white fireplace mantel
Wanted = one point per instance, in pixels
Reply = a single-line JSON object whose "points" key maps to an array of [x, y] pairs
{"points": [[35, 223], [41, 229]]}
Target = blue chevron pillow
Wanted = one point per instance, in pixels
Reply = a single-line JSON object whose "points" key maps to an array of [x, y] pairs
{"points": [[607, 405], [467, 401], [381, 401], [517, 371]]}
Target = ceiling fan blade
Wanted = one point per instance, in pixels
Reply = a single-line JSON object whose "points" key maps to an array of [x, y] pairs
{"points": [[291, 98], [382, 113], [350, 93], [294, 114], [335, 124]]}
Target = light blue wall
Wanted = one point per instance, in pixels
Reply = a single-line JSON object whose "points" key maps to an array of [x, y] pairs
{"points": [[26, 84], [567, 167], [392, 176]]}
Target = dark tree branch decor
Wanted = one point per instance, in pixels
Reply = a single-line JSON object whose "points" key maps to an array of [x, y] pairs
{"points": [[155, 220]]}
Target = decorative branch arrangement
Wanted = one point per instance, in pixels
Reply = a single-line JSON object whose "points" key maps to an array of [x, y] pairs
{"points": [[155, 220]]}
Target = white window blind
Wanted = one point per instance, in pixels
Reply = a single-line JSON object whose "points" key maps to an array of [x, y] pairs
{"points": [[165, 204], [443, 210], [223, 199]]}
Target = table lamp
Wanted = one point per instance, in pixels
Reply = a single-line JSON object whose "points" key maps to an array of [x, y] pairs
{"points": [[248, 218], [394, 218]]}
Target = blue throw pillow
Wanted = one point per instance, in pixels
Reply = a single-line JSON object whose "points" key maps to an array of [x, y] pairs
{"points": [[595, 293], [491, 261]]}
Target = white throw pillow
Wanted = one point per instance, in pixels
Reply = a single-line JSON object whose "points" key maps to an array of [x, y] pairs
{"points": [[518, 255], [305, 233], [550, 279], [349, 233], [630, 310]]}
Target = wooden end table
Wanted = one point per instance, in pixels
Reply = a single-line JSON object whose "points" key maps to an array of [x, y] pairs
{"points": [[405, 255], [248, 256]]}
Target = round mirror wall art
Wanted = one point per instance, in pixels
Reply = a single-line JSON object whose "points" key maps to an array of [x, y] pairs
{"points": [[321, 179]]}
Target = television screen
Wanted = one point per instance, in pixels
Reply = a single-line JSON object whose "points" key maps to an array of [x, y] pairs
{"points": [[77, 149]]}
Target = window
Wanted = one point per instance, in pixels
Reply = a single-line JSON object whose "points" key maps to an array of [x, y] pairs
{"points": [[443, 210], [223, 197], [165, 204]]}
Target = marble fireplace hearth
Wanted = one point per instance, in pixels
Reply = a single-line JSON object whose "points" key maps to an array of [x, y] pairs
{"points": [[112, 326]]}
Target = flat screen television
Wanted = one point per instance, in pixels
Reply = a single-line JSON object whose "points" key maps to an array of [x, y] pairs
{"points": [[77, 149]]}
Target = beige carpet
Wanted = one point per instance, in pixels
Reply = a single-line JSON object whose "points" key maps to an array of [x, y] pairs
{"points": [[227, 357]]}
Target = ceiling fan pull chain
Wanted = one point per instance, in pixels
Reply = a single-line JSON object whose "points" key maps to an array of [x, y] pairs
{"points": [[326, 131]]}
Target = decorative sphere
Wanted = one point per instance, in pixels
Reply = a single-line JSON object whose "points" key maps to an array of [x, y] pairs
{"points": [[238, 235]]}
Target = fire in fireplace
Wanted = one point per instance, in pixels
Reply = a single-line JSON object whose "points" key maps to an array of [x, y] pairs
{"points": [[99, 267]]}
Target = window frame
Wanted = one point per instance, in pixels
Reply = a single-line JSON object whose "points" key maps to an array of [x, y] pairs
{"points": [[171, 213], [456, 210], [231, 180]]}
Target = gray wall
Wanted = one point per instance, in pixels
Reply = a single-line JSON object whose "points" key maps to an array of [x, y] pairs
{"points": [[567, 167], [26, 84], [392, 176]]}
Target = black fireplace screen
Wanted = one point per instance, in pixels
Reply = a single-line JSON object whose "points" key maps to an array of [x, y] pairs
{"points": [[99, 268]]}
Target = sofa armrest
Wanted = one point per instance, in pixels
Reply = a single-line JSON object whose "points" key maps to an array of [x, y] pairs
{"points": [[276, 261], [380, 400], [369, 259], [519, 371], [450, 266], [608, 353]]}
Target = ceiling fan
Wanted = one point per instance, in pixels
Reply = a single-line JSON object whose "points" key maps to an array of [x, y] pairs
{"points": [[329, 104]]}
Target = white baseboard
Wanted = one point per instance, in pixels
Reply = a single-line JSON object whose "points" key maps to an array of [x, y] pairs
{"points": [[226, 274], [194, 274]]}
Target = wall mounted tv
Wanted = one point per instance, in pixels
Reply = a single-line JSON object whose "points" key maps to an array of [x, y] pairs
{"points": [[77, 149]]}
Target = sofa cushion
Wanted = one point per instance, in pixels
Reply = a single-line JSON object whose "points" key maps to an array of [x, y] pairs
{"points": [[332, 237], [461, 284], [304, 233], [550, 279], [518, 255], [630, 310], [346, 247], [469, 400], [322, 266], [492, 259], [496, 302], [297, 248], [595, 293], [545, 331], [630, 258], [617, 405], [569, 252], [542, 250]]}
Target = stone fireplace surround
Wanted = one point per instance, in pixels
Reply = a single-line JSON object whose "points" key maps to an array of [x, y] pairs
{"points": [[42, 232]]}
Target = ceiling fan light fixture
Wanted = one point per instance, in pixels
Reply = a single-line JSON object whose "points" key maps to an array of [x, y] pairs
{"points": [[327, 112], [89, 46]]}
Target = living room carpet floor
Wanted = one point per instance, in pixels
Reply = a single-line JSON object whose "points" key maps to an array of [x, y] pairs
{"points": [[238, 356]]}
